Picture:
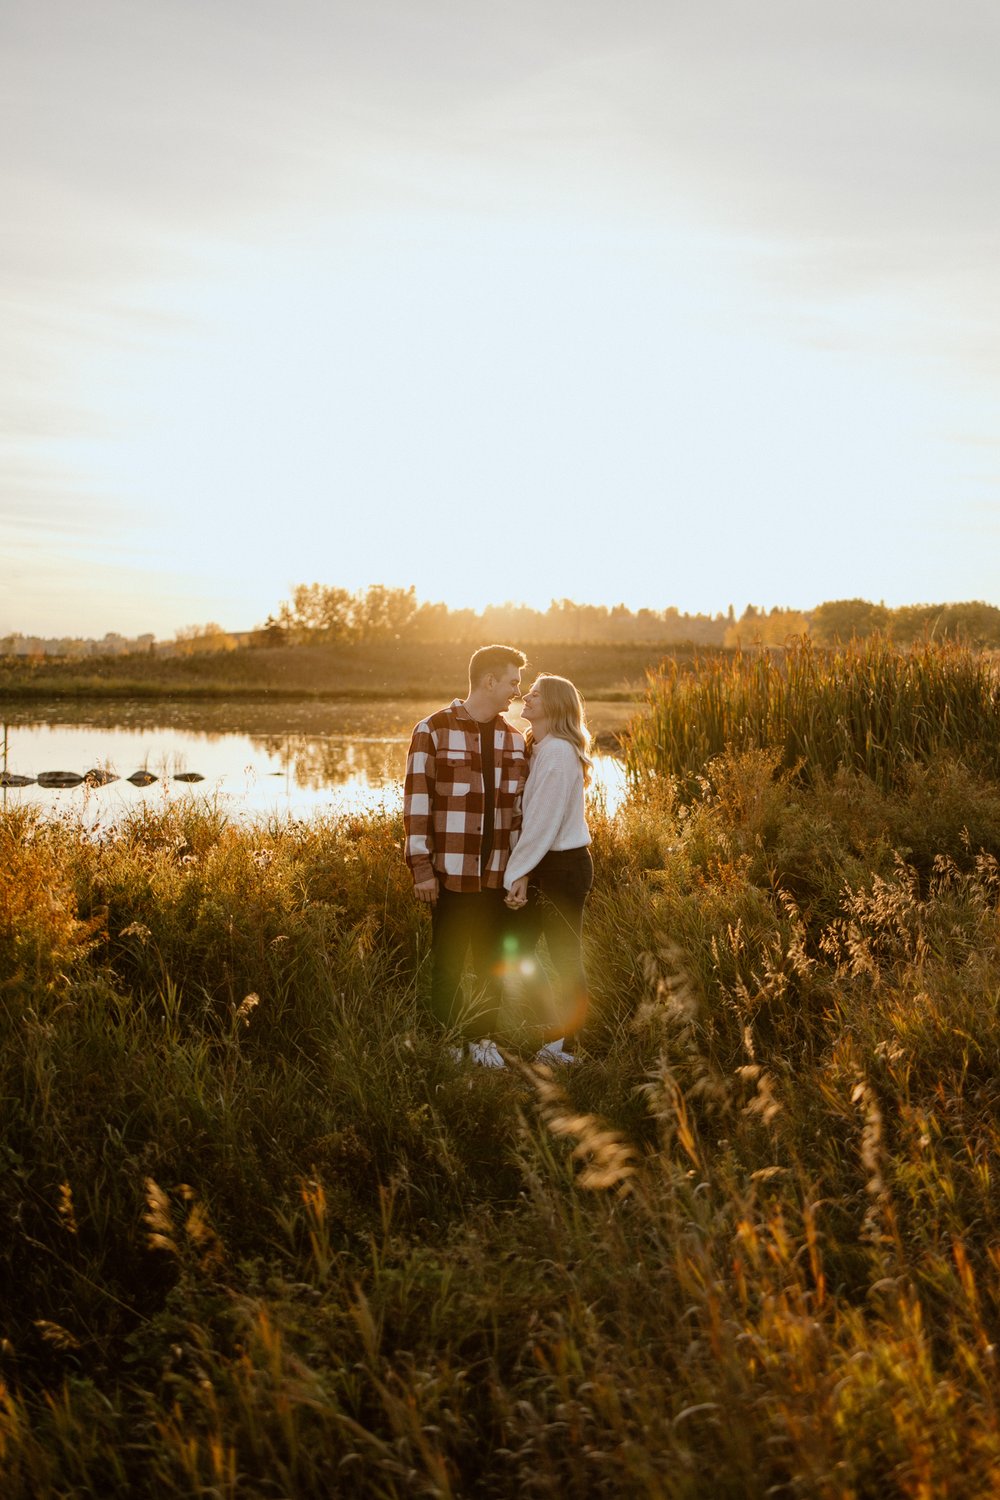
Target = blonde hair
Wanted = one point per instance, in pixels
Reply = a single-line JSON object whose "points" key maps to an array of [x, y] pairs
{"points": [[564, 710]]}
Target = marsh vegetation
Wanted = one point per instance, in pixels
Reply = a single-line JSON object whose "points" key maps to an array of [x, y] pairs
{"points": [[347, 670], [266, 1238]]}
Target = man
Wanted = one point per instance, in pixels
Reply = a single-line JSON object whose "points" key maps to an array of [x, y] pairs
{"points": [[461, 809]]}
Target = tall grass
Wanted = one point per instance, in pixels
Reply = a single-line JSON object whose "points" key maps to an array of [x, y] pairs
{"points": [[867, 706], [264, 1237]]}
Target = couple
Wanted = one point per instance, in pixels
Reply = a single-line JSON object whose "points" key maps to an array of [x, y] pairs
{"points": [[497, 840]]}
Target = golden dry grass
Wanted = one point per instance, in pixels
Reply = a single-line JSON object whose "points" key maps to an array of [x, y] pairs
{"points": [[264, 1237]]}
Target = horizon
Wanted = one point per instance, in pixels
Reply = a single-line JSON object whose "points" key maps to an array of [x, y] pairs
{"points": [[636, 303], [658, 611]]}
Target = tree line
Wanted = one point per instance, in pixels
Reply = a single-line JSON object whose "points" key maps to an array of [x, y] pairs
{"points": [[318, 612]]}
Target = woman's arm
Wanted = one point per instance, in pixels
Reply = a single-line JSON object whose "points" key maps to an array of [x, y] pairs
{"points": [[552, 783]]}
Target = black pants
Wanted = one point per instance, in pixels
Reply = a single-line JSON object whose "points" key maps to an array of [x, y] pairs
{"points": [[461, 918], [557, 891]]}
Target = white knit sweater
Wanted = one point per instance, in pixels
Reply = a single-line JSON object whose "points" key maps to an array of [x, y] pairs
{"points": [[552, 811]]}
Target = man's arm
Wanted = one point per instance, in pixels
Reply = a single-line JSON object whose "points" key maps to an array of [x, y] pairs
{"points": [[418, 800]]}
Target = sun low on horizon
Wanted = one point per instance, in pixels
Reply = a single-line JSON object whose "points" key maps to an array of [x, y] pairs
{"points": [[635, 305]]}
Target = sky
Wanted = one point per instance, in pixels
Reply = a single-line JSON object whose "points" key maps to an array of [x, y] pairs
{"points": [[663, 302]]}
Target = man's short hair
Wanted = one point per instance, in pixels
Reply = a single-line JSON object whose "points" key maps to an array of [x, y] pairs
{"points": [[493, 659]]}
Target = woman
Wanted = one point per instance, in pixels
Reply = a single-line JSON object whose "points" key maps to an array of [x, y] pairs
{"points": [[550, 869]]}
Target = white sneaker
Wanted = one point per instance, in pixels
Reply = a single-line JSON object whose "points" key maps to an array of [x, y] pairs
{"points": [[486, 1054], [554, 1052]]}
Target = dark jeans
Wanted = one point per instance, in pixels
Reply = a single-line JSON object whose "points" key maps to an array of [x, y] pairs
{"points": [[461, 918], [557, 891]]}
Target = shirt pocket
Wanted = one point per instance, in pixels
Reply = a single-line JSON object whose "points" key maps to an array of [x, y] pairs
{"points": [[514, 773], [453, 774]]}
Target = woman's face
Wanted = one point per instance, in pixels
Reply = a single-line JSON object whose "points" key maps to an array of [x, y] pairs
{"points": [[531, 707]]}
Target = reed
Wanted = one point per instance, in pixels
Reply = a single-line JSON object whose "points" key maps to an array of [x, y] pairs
{"points": [[263, 1236], [867, 706]]}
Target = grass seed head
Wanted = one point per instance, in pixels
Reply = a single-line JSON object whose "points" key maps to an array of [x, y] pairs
{"points": [[159, 1219], [606, 1159], [66, 1211]]}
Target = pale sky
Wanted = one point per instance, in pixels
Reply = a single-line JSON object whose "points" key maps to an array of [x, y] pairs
{"points": [[677, 302]]}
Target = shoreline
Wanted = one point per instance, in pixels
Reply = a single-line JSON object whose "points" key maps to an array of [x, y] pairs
{"points": [[348, 673], [384, 716]]}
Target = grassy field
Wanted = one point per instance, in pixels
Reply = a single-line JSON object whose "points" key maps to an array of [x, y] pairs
{"points": [[375, 670], [263, 1237]]}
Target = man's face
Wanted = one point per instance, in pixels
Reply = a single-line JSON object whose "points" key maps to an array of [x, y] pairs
{"points": [[506, 687]]}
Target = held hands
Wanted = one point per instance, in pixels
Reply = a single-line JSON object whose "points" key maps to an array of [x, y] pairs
{"points": [[427, 891], [518, 894]]}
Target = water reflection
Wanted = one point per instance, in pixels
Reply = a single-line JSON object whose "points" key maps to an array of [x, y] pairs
{"points": [[285, 758], [314, 763]]}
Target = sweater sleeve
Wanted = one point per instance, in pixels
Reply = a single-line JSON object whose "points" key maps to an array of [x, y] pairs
{"points": [[551, 786]]}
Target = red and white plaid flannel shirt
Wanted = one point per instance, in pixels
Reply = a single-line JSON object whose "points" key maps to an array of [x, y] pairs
{"points": [[444, 805]]}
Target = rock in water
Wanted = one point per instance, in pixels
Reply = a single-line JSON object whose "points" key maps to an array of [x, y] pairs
{"points": [[142, 778], [97, 777], [59, 778], [189, 776], [8, 778]]}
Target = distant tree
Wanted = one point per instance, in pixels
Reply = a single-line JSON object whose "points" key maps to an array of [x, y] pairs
{"points": [[384, 614], [464, 625], [975, 623], [844, 619], [322, 612], [319, 610], [432, 622], [194, 639], [649, 625], [915, 622], [746, 630], [510, 622], [273, 632], [779, 626], [562, 621]]}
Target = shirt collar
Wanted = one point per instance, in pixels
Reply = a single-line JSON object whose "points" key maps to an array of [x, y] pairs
{"points": [[463, 713]]}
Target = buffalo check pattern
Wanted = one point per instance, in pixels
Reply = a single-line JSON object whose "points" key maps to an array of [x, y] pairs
{"points": [[444, 805]]}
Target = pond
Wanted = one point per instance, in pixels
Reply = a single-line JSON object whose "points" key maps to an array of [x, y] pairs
{"points": [[288, 758]]}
